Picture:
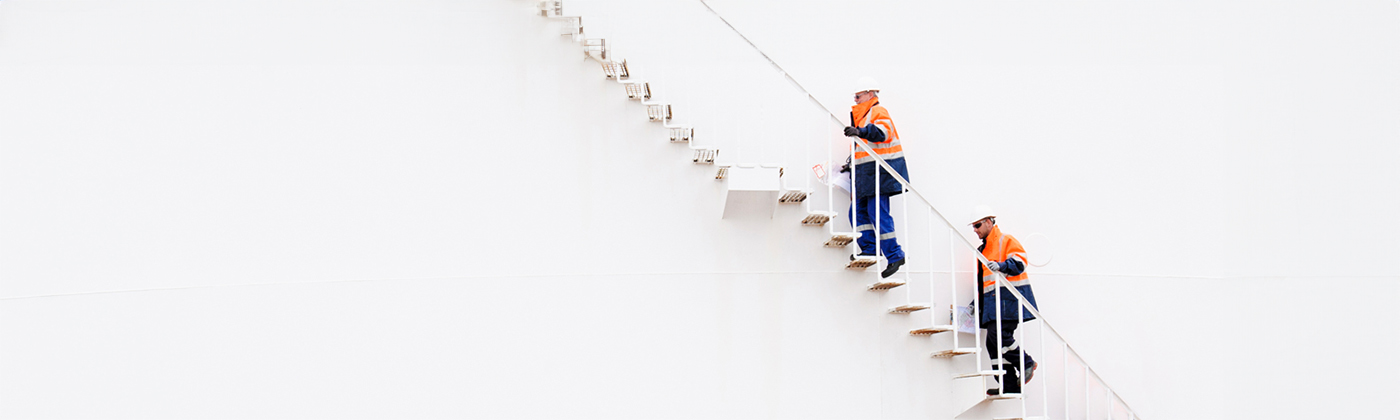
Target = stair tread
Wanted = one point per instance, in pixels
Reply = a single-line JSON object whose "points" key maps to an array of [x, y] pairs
{"points": [[955, 352], [980, 374], [904, 309], [885, 285]]}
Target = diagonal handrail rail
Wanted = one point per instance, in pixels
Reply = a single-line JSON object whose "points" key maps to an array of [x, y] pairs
{"points": [[1000, 278]]}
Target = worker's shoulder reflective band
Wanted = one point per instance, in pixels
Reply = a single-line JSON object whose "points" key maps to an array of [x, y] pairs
{"points": [[865, 157], [988, 281], [884, 125]]}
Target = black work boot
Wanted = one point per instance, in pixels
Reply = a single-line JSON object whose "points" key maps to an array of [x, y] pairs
{"points": [[892, 268]]}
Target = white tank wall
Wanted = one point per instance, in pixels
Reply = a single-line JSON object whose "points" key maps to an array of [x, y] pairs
{"points": [[439, 209]]}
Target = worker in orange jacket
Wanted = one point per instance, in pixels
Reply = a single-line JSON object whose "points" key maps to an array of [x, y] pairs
{"points": [[1001, 310], [871, 125]]}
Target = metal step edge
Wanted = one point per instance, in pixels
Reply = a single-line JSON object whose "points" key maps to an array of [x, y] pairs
{"points": [[980, 374], [884, 285], [929, 331], [905, 309], [955, 352]]}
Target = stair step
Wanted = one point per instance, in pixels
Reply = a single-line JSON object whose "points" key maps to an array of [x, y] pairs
{"points": [[551, 8], [681, 134], [1004, 397], [885, 285], [659, 112], [904, 309], [840, 239], [955, 352], [615, 70], [862, 262], [705, 156], [637, 91], [980, 374], [931, 330], [818, 218], [598, 45], [793, 197]]}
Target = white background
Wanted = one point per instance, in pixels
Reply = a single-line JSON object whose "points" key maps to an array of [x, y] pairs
{"points": [[439, 209]]}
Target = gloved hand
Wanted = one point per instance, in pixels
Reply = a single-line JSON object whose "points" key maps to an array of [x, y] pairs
{"points": [[847, 167], [852, 131], [995, 266]]}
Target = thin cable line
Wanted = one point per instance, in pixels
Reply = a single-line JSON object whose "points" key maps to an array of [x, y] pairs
{"points": [[773, 63]]}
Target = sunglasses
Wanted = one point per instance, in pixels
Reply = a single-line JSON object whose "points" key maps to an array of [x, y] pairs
{"points": [[977, 225]]}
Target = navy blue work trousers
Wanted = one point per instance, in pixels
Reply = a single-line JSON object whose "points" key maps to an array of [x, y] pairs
{"points": [[864, 212], [1008, 355]]}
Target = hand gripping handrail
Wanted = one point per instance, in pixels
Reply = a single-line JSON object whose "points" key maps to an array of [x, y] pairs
{"points": [[1000, 279]]}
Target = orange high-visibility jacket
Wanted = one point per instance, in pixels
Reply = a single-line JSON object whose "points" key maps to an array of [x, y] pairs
{"points": [[1001, 247], [870, 112]]}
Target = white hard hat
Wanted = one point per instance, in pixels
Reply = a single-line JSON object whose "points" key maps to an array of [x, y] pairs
{"points": [[979, 212], [865, 83]]}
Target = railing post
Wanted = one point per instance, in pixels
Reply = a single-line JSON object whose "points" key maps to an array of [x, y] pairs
{"points": [[1044, 389], [953, 297], [933, 303], [1021, 354], [1064, 373], [1108, 395], [807, 153], [830, 179], [1021, 344], [908, 280], [1001, 379], [876, 215]]}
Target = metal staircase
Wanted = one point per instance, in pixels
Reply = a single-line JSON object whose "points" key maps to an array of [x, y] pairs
{"points": [[990, 407]]}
